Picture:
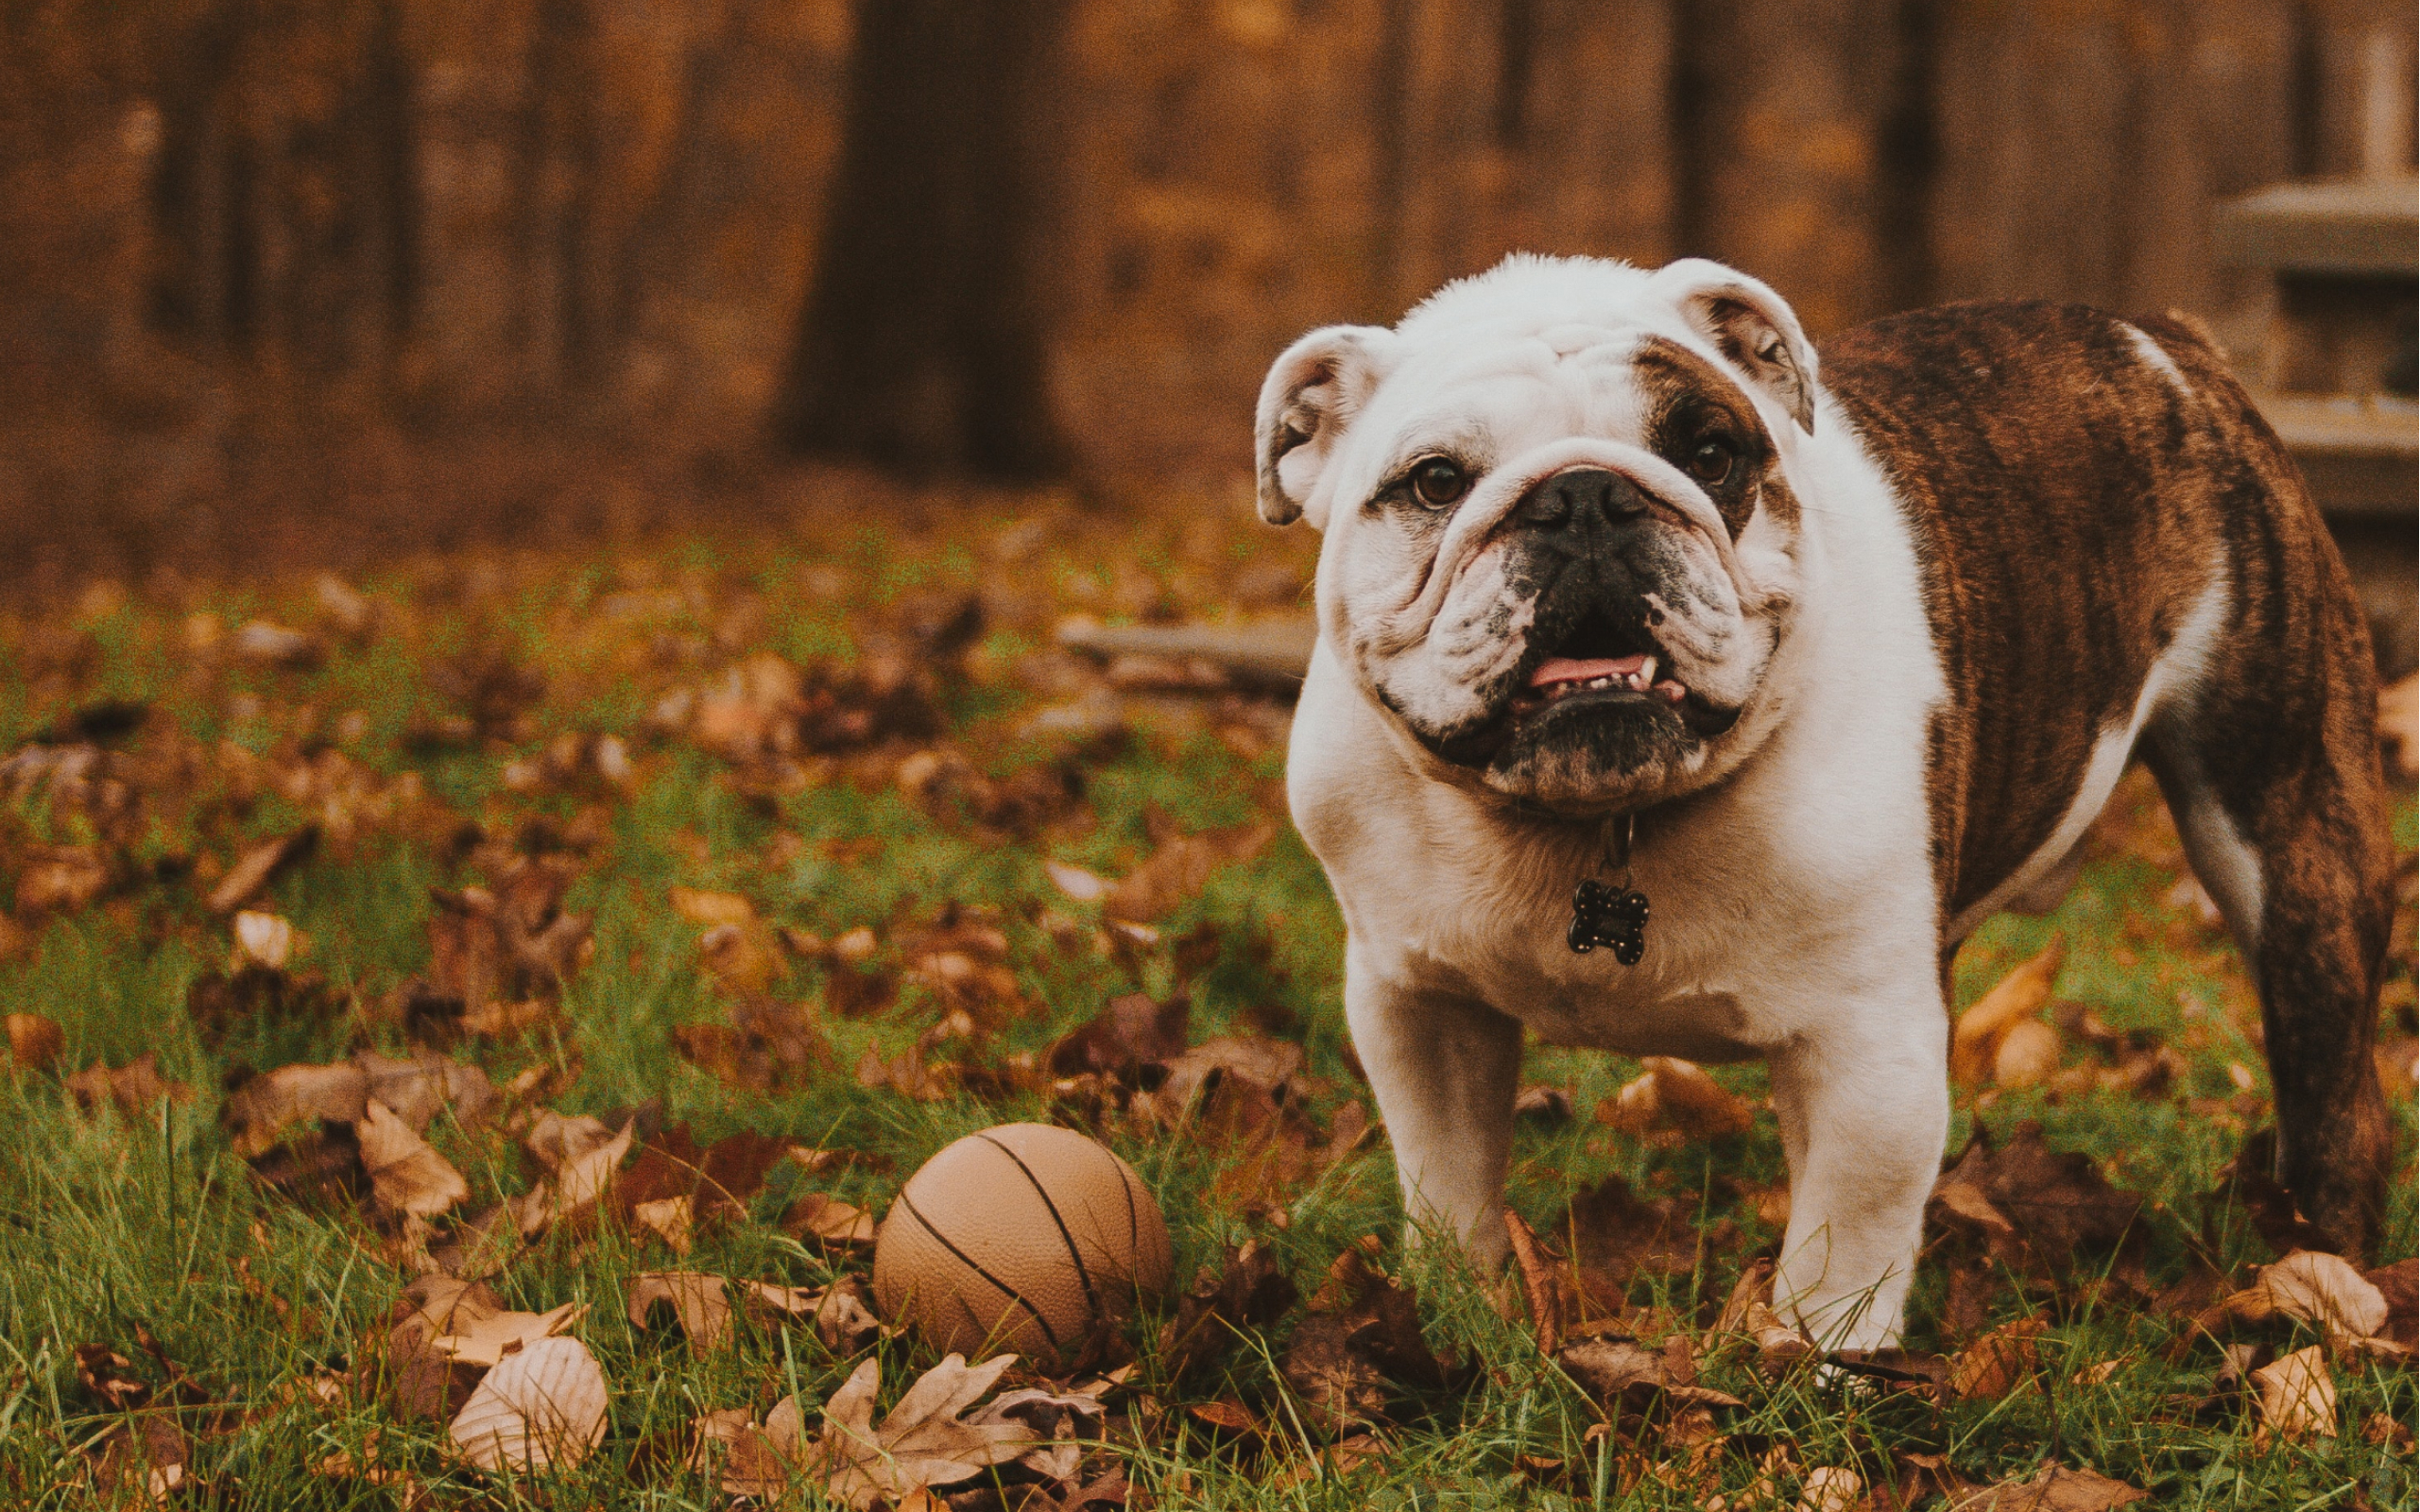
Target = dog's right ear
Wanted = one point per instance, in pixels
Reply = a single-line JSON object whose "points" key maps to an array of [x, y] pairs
{"points": [[1312, 394]]}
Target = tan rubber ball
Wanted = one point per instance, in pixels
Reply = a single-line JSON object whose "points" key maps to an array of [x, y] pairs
{"points": [[1025, 1238]]}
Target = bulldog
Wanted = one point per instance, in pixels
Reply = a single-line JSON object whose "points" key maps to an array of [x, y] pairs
{"points": [[1806, 664]]}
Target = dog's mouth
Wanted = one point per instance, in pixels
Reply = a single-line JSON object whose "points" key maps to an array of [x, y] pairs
{"points": [[1600, 663]]}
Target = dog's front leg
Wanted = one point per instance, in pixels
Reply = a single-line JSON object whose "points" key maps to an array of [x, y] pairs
{"points": [[1445, 1069], [1864, 1108]]}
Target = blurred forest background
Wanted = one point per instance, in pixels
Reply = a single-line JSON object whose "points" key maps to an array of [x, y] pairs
{"points": [[332, 278]]}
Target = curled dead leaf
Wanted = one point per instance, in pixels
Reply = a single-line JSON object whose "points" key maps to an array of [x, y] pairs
{"points": [[542, 1406], [2297, 1396]]}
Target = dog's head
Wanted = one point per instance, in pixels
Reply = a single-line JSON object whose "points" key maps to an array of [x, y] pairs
{"points": [[1561, 550]]}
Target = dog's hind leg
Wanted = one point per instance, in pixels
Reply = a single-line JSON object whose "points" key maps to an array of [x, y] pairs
{"points": [[2270, 768]]}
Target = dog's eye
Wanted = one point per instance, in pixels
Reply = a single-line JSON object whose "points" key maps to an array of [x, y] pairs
{"points": [[1439, 481], [1712, 461]]}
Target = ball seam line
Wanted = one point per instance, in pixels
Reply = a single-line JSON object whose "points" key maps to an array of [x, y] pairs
{"points": [[1048, 1333], [1083, 1272]]}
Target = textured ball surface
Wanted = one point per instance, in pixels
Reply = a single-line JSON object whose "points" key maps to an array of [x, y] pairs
{"points": [[1023, 1237]]}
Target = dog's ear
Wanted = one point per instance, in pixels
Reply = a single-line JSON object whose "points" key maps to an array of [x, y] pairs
{"points": [[1751, 325], [1312, 393]]}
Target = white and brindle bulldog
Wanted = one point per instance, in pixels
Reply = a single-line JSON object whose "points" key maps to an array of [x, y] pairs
{"points": [[1828, 662]]}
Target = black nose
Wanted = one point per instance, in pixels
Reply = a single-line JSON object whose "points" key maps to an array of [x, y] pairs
{"points": [[1576, 492]]}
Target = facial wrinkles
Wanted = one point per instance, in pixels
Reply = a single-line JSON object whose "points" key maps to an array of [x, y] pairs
{"points": [[1475, 524]]}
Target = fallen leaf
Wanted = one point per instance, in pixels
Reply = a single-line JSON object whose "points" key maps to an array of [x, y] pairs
{"points": [[712, 908], [2327, 1294], [2018, 996], [2400, 1284], [2026, 1057], [1676, 1097], [1179, 868], [667, 1218], [1996, 1363], [34, 1041], [582, 1156], [264, 940], [698, 1300], [1539, 1282], [1130, 1032], [542, 1406], [841, 1312], [1617, 1371], [2028, 1202], [60, 879], [2055, 1488], [1058, 1420], [2297, 1396], [135, 1089], [1079, 885], [258, 867], [831, 1220], [1339, 1385], [406, 1176], [480, 1336], [1248, 1289], [922, 1441], [1830, 1489]]}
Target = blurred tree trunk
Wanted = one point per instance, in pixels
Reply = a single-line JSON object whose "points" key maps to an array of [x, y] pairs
{"points": [[922, 346]]}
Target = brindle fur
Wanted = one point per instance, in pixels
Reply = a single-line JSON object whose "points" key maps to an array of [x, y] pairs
{"points": [[2040, 457]]}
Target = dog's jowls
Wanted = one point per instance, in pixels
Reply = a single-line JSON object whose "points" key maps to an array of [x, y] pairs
{"points": [[1855, 649]]}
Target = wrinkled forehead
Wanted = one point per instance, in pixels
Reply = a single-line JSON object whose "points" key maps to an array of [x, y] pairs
{"points": [[1507, 383]]}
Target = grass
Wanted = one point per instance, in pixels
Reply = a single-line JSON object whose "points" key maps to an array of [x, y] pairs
{"points": [[110, 1223]]}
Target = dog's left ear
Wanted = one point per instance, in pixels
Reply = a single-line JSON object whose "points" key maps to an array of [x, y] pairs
{"points": [[1751, 325], [1312, 391]]}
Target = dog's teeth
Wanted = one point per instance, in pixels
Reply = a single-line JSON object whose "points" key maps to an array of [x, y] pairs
{"points": [[1645, 676]]}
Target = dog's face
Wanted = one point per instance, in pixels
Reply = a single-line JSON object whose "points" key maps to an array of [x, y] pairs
{"points": [[1560, 548]]}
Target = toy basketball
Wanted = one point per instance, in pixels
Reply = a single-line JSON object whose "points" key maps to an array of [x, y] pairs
{"points": [[1024, 1237]]}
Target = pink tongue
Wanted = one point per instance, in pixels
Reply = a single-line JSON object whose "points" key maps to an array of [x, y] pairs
{"points": [[1567, 669]]}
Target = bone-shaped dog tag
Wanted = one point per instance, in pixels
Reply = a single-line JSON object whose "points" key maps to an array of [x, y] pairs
{"points": [[1615, 917]]}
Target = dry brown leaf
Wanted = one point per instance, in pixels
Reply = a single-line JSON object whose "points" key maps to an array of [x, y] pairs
{"points": [[582, 1155], [1676, 1097], [2327, 1294], [1175, 872], [257, 867], [2027, 1056], [843, 1313], [1059, 1420], [830, 1221], [712, 908], [2018, 996], [699, 1302], [34, 1041], [1830, 1489], [1996, 1363], [920, 1443], [542, 1406], [135, 1089], [479, 1335], [669, 1219], [2297, 1396], [406, 1176], [2056, 1488], [60, 879]]}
